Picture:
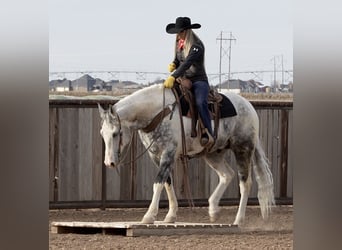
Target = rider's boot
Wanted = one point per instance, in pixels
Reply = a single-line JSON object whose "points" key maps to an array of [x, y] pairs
{"points": [[207, 139]]}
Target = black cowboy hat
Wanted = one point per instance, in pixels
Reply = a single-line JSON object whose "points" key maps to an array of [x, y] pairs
{"points": [[182, 23]]}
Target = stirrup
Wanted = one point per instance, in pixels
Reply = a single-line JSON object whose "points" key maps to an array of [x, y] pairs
{"points": [[207, 140]]}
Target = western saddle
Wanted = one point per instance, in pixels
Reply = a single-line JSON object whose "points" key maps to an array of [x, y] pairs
{"points": [[214, 103]]}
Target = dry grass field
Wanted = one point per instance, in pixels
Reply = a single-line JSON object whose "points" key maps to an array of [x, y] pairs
{"points": [[121, 92]]}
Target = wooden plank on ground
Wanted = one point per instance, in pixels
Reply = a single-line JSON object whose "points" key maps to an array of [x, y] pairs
{"points": [[139, 229]]}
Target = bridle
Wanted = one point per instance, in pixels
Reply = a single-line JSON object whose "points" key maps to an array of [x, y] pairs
{"points": [[118, 151]]}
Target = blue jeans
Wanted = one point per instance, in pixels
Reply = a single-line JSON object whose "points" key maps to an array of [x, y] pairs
{"points": [[201, 92]]}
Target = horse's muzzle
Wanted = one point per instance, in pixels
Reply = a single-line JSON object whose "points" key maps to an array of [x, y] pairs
{"points": [[109, 165], [113, 166]]}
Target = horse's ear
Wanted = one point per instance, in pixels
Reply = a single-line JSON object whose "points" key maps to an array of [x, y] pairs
{"points": [[111, 112], [111, 109], [101, 110]]}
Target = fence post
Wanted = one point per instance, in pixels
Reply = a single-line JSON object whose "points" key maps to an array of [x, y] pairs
{"points": [[104, 181], [284, 152]]}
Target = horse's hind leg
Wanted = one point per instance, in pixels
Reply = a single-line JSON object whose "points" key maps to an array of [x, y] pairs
{"points": [[243, 156], [217, 162], [245, 187]]}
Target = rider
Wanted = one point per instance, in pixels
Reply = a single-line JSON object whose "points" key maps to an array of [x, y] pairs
{"points": [[189, 64]]}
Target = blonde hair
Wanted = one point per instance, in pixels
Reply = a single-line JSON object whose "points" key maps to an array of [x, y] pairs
{"points": [[190, 39]]}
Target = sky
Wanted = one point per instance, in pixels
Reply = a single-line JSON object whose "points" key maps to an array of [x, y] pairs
{"points": [[107, 35]]}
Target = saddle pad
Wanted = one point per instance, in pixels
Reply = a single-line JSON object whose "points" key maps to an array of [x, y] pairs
{"points": [[227, 108]]}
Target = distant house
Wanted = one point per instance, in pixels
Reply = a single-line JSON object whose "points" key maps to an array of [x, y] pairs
{"points": [[124, 84], [237, 86], [232, 85], [286, 87], [131, 85], [60, 85], [84, 84], [101, 85], [265, 89]]}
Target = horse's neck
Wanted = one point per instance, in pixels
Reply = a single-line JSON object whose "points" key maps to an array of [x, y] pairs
{"points": [[138, 109]]}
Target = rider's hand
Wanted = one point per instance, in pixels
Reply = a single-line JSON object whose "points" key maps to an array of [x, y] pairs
{"points": [[172, 67], [168, 83]]}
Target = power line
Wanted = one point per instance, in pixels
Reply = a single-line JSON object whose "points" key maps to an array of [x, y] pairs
{"points": [[150, 76]]}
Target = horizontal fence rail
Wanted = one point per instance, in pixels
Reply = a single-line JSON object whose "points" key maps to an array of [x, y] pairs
{"points": [[79, 179]]}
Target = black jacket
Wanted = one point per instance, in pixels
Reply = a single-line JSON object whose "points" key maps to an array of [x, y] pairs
{"points": [[191, 67]]}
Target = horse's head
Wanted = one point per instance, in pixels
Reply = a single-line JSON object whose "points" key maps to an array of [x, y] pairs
{"points": [[115, 136]]}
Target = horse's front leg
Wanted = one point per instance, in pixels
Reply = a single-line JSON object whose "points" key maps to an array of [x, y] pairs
{"points": [[173, 204], [166, 162], [152, 211]]}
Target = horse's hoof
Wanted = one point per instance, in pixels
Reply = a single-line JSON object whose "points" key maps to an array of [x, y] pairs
{"points": [[170, 219], [147, 220], [238, 222], [214, 214], [214, 218]]}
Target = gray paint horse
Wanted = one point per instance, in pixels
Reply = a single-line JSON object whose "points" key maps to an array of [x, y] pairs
{"points": [[238, 133]]}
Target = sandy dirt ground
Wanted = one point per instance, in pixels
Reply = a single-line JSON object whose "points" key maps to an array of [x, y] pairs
{"points": [[276, 233]]}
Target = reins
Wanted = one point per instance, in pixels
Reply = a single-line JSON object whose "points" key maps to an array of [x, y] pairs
{"points": [[184, 157]]}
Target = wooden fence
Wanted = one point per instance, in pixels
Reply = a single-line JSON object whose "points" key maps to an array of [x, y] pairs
{"points": [[78, 177]]}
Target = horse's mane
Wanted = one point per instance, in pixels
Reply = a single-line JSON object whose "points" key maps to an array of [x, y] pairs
{"points": [[144, 101], [147, 91]]}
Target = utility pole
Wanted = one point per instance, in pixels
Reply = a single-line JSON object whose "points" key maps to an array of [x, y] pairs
{"points": [[282, 70], [275, 66], [274, 85], [220, 58], [230, 39], [275, 72]]}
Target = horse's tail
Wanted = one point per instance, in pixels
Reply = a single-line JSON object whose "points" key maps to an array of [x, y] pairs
{"points": [[264, 179]]}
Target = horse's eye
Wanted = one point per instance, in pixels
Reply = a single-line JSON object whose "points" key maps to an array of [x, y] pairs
{"points": [[115, 134]]}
